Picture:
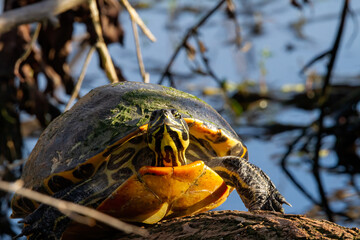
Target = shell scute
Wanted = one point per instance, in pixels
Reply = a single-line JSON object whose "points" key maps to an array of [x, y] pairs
{"points": [[104, 116]]}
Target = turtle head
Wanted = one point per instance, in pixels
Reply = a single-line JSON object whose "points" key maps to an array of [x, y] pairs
{"points": [[168, 137]]}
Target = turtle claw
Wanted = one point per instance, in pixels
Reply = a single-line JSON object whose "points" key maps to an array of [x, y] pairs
{"points": [[44, 223], [273, 202], [280, 200], [288, 204]]}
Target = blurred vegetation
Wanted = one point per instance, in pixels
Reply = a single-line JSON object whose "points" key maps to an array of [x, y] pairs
{"points": [[307, 144]]}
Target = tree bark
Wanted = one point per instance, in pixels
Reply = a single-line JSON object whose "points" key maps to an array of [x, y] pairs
{"points": [[246, 225]]}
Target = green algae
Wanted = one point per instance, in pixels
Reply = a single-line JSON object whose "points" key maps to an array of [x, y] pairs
{"points": [[176, 92], [134, 110]]}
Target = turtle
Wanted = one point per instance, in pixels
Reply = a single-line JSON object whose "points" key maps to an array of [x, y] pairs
{"points": [[140, 152]]}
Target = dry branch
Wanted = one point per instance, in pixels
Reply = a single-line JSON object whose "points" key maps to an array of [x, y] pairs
{"points": [[188, 34], [71, 209], [145, 76], [28, 51], [101, 46], [135, 17], [324, 97], [76, 91], [326, 108], [35, 12]]}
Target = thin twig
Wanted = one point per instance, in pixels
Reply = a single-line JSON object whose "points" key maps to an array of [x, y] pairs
{"points": [[324, 97], [27, 52], [100, 45], [80, 49], [287, 172], [66, 207], [232, 15], [35, 12], [206, 62], [355, 32], [138, 20], [189, 33], [81, 78], [315, 59], [145, 76]]}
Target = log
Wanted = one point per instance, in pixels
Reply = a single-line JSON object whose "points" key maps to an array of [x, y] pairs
{"points": [[246, 225]]}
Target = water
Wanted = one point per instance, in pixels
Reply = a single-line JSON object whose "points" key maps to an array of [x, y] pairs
{"points": [[269, 51]]}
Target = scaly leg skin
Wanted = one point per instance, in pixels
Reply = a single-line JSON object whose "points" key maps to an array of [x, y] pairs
{"points": [[255, 188], [47, 222], [41, 225]]}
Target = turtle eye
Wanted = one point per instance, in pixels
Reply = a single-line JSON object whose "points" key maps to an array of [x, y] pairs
{"points": [[176, 114]]}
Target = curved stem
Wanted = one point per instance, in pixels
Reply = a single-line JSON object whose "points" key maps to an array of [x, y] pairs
{"points": [[323, 101], [189, 33]]}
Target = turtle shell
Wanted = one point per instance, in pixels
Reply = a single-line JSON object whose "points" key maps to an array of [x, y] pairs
{"points": [[102, 117]]}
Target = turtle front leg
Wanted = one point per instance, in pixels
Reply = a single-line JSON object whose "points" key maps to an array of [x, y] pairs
{"points": [[255, 188], [47, 222]]}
